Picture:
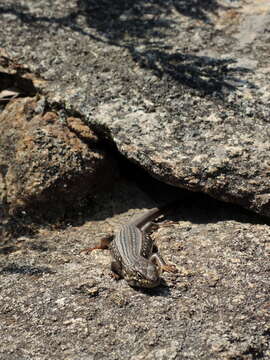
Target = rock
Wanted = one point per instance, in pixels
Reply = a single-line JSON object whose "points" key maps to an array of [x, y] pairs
{"points": [[181, 90], [43, 162], [16, 79], [222, 155], [216, 307]]}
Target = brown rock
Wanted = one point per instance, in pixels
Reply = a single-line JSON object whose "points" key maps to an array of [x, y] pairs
{"points": [[42, 161]]}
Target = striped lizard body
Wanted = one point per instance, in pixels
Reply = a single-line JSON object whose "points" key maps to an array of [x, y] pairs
{"points": [[133, 255], [132, 252]]}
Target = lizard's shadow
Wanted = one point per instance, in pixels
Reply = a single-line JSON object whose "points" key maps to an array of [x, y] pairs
{"points": [[163, 290]]}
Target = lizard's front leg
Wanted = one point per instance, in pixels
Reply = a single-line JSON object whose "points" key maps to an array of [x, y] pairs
{"points": [[159, 261], [116, 270], [104, 244]]}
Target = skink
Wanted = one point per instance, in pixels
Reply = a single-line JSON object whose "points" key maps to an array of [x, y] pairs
{"points": [[134, 255]]}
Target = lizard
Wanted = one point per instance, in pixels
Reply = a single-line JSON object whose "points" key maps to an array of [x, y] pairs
{"points": [[134, 255]]}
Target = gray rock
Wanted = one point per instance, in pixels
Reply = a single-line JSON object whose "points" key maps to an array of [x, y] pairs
{"points": [[58, 303], [181, 90]]}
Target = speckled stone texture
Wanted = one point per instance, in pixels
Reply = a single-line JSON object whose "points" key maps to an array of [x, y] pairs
{"points": [[57, 303], [182, 89]]}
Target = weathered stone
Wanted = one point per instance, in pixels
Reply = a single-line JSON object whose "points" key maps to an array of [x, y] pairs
{"points": [[215, 307], [16, 79], [181, 90], [43, 162]]}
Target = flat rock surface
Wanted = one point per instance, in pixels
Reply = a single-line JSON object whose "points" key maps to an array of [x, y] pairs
{"points": [[59, 303], [181, 88]]}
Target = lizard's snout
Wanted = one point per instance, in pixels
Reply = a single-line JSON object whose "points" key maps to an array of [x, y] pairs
{"points": [[148, 278]]}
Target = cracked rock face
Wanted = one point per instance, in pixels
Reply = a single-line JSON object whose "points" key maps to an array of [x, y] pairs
{"points": [[224, 155], [181, 90]]}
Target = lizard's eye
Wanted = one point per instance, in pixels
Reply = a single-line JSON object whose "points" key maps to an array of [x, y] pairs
{"points": [[140, 276]]}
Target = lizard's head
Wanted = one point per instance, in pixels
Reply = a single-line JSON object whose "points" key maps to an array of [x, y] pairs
{"points": [[145, 276]]}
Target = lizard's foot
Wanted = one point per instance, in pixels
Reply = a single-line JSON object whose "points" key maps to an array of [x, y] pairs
{"points": [[88, 250], [168, 223], [115, 276], [169, 268]]}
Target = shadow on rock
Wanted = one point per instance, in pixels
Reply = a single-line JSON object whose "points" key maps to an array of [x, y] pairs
{"points": [[205, 74], [143, 28], [147, 24], [163, 290], [25, 270], [116, 19]]}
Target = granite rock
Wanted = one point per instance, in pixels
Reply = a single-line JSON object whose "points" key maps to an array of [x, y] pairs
{"points": [[57, 302], [181, 89]]}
